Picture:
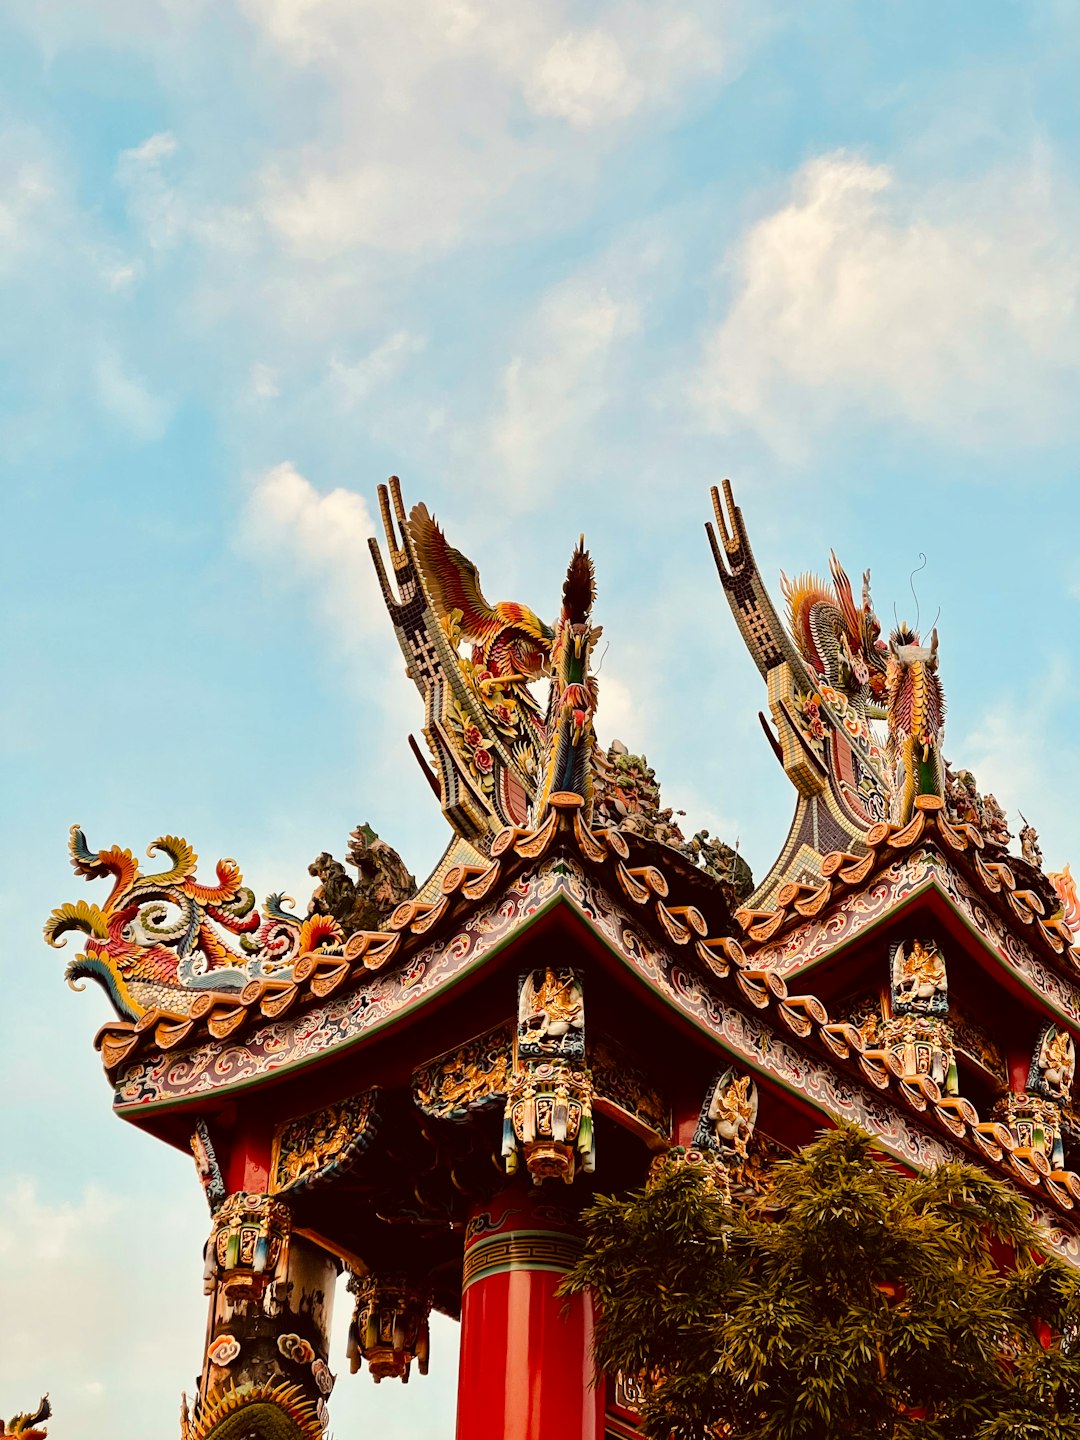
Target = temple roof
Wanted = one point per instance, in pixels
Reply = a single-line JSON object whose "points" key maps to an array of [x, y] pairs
{"points": [[673, 912], [680, 905], [549, 826]]}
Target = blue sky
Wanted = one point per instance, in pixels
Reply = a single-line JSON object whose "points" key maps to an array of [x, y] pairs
{"points": [[561, 267]]}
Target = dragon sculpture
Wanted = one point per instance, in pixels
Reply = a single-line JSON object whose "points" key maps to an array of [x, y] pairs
{"points": [[829, 677], [158, 941], [268, 1411], [498, 755], [568, 758], [916, 715], [510, 643], [27, 1426], [382, 883], [483, 726], [839, 640], [824, 671]]}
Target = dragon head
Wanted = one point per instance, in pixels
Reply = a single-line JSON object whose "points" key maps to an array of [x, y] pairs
{"points": [[906, 647], [26, 1425]]}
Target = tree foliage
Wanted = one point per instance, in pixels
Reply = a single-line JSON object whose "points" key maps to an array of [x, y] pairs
{"points": [[846, 1301]]}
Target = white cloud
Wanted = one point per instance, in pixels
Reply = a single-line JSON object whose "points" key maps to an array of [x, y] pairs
{"points": [[27, 188], [379, 205], [34, 1230], [119, 275], [456, 119], [955, 310], [618, 713], [153, 150], [322, 539], [265, 384], [32, 202], [76, 1272], [583, 78]]}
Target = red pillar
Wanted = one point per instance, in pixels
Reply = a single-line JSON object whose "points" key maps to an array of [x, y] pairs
{"points": [[1019, 1064], [526, 1357]]}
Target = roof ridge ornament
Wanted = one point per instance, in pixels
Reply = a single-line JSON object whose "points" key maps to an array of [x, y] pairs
{"points": [[483, 726], [916, 718], [825, 683], [569, 765]]}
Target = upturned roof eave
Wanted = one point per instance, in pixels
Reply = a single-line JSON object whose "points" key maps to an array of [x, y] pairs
{"points": [[991, 874], [721, 992]]}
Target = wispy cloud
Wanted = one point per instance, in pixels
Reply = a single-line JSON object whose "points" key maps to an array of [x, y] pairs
{"points": [[128, 398], [61, 1262], [353, 381], [556, 385], [452, 87], [155, 204]]}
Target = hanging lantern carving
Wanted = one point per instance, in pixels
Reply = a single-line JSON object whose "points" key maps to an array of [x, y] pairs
{"points": [[1035, 1126], [548, 1119], [920, 1048], [389, 1327], [248, 1246]]}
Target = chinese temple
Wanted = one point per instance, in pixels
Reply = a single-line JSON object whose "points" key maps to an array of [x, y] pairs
{"points": [[422, 1085]]}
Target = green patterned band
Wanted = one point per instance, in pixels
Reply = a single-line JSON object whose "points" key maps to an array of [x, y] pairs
{"points": [[520, 1250]]}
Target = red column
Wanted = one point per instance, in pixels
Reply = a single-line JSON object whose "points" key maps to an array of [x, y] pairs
{"points": [[1019, 1064], [526, 1357]]}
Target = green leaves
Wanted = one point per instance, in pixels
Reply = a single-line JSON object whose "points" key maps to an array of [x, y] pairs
{"points": [[847, 1301]]}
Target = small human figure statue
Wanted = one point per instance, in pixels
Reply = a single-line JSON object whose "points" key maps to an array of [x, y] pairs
{"points": [[1030, 849], [995, 823], [962, 796], [1054, 1064], [920, 983], [551, 1015], [727, 1120]]}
